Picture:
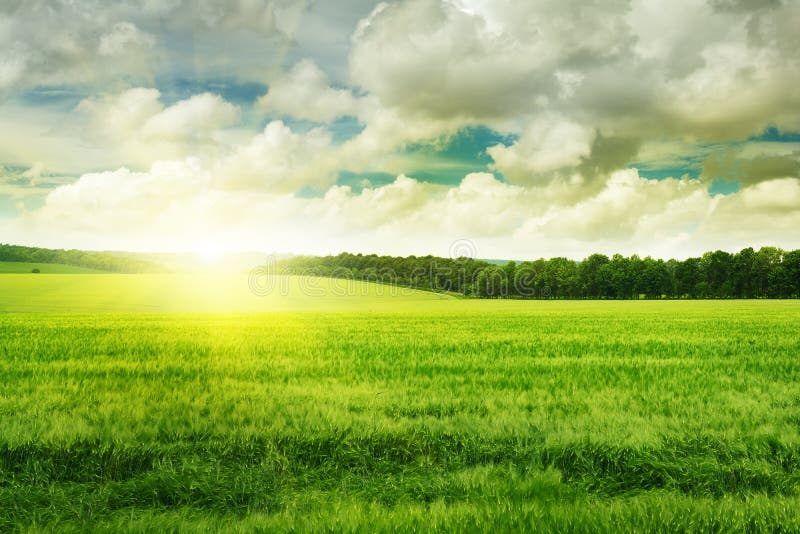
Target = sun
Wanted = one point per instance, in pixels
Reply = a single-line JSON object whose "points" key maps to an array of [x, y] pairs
{"points": [[209, 253]]}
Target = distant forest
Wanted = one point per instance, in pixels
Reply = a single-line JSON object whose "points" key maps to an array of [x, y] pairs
{"points": [[767, 273], [104, 261]]}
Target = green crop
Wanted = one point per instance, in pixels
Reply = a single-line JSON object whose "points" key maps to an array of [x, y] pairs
{"points": [[393, 413]]}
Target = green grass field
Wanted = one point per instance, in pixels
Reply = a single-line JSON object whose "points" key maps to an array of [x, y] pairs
{"points": [[19, 267], [185, 403]]}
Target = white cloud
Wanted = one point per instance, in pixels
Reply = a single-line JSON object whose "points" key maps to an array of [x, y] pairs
{"points": [[773, 196], [194, 118], [549, 144], [386, 132], [480, 59], [181, 204], [122, 115], [123, 37], [304, 93], [372, 208], [625, 68], [617, 211], [13, 62], [92, 42], [137, 126], [49, 43], [278, 159], [767, 213]]}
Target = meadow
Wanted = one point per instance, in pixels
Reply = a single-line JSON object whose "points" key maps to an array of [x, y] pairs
{"points": [[186, 403]]}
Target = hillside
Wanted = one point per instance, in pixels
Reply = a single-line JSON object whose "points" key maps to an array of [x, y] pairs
{"points": [[201, 293], [23, 267], [92, 260]]}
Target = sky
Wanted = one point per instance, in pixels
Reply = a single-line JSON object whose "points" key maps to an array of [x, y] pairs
{"points": [[525, 129]]}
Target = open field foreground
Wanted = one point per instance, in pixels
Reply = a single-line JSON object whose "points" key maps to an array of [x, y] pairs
{"points": [[420, 412]]}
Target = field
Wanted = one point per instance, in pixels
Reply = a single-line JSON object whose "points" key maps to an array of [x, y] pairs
{"points": [[161, 402]]}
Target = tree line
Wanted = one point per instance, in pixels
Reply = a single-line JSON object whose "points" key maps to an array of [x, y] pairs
{"points": [[767, 273], [104, 261]]}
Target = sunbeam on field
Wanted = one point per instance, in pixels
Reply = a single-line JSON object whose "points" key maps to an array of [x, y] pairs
{"points": [[209, 254]]}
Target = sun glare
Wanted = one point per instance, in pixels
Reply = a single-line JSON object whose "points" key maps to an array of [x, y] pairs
{"points": [[209, 253]]}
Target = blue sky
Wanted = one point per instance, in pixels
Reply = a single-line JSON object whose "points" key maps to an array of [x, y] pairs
{"points": [[530, 128]]}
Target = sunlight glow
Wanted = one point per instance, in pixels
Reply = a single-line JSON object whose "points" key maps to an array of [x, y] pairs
{"points": [[209, 253]]}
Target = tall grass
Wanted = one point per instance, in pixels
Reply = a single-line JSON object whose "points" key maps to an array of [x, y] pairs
{"points": [[559, 416]]}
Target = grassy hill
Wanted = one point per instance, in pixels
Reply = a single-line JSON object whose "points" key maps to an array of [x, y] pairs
{"points": [[91, 293], [23, 267], [98, 260]]}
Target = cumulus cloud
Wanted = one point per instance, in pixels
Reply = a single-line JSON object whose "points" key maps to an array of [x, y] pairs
{"points": [[397, 203], [617, 213], [139, 111], [123, 37], [628, 69], [305, 93], [741, 219], [479, 59], [773, 196], [46, 43], [732, 166], [278, 159], [122, 115], [549, 145], [195, 117], [140, 128], [179, 204], [87, 42]]}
